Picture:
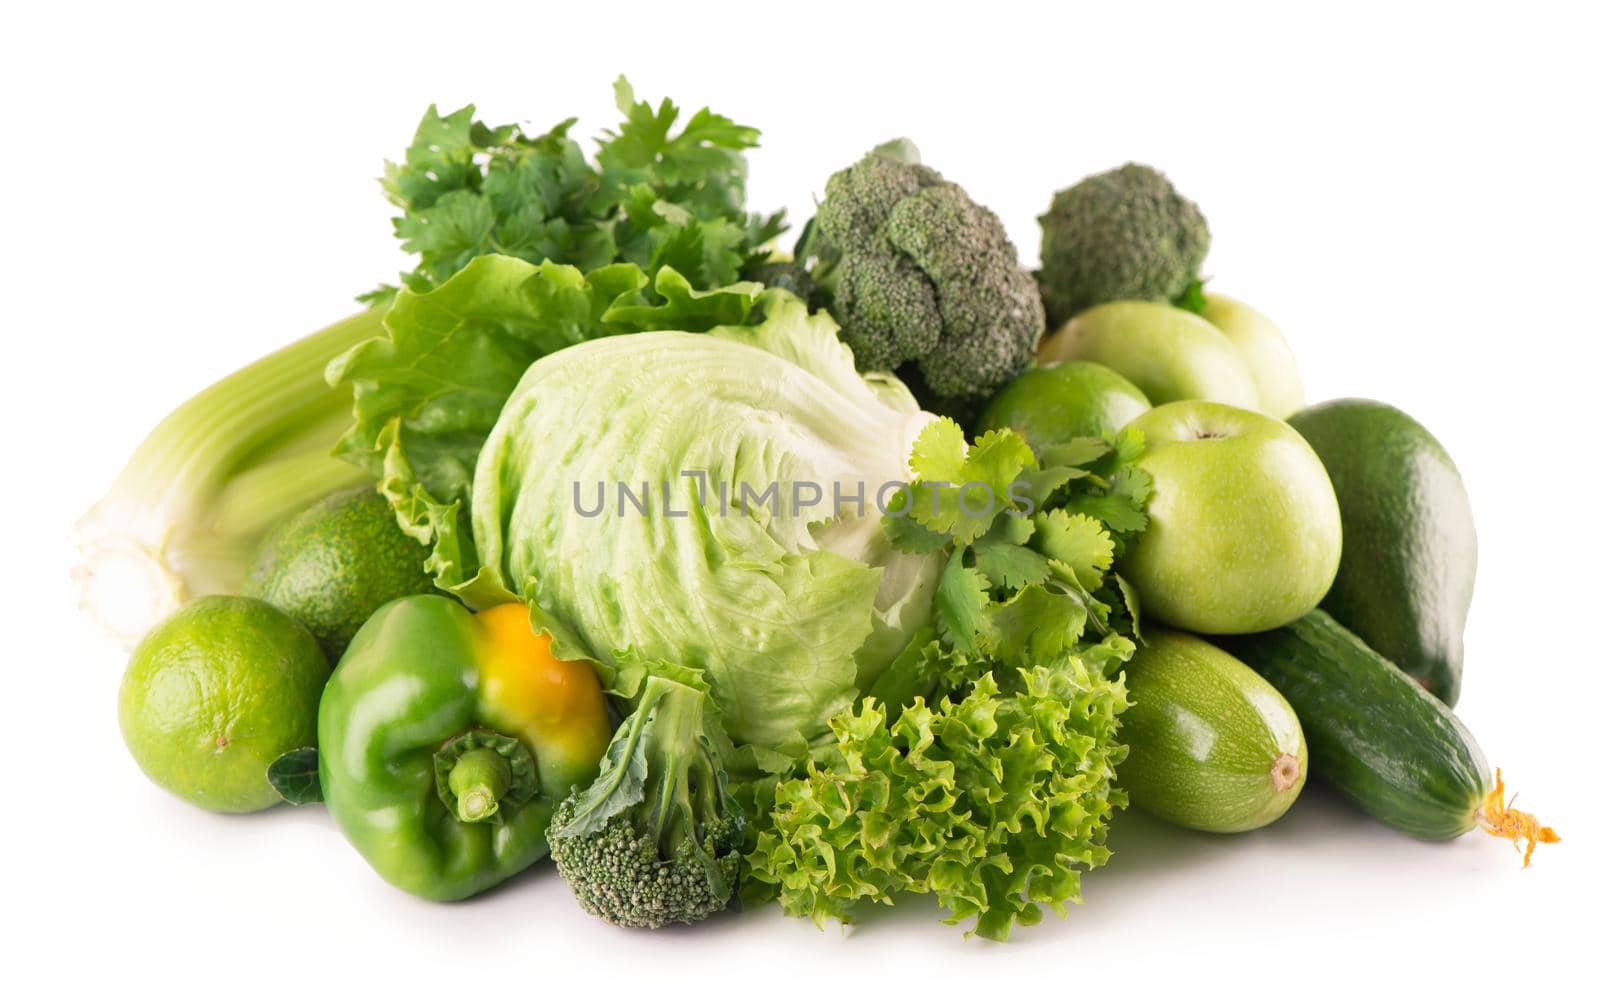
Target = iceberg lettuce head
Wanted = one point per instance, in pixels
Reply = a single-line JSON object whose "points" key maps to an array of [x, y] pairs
{"points": [[712, 501]]}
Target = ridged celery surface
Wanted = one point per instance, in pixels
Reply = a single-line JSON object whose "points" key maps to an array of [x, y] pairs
{"points": [[184, 516]]}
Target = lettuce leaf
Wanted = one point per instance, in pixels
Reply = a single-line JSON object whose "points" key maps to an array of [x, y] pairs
{"points": [[428, 392], [787, 605], [981, 768], [994, 803]]}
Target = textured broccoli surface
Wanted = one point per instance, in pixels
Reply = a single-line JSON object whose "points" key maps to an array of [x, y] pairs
{"points": [[922, 280], [656, 838], [1122, 234]]}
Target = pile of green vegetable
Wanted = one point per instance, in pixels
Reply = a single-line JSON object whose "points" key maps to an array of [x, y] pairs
{"points": [[722, 576]]}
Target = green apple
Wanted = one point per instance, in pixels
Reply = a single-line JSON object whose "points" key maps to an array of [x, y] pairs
{"points": [[1170, 354], [1244, 528], [1053, 403], [1265, 352]]}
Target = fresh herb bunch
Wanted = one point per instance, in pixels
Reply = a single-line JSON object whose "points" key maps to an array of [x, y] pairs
{"points": [[656, 195], [1031, 540], [981, 767]]}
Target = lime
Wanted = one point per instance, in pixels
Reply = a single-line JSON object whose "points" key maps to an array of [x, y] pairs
{"points": [[214, 693], [1053, 403]]}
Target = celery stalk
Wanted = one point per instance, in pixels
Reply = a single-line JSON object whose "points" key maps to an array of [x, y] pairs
{"points": [[184, 516]]}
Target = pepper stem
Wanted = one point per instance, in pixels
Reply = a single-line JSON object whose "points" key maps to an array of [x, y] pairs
{"points": [[479, 779]]}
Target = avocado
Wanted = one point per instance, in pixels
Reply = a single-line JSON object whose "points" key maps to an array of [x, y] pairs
{"points": [[335, 562], [1410, 548]]}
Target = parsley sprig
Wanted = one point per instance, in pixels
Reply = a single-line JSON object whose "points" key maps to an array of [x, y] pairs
{"points": [[660, 192]]}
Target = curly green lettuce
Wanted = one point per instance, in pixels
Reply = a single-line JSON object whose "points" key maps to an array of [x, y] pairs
{"points": [[995, 803], [981, 768]]}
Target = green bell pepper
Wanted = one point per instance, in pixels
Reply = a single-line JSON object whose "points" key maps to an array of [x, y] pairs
{"points": [[446, 739]]}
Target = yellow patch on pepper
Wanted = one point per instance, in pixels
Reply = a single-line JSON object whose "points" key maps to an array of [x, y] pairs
{"points": [[556, 707]]}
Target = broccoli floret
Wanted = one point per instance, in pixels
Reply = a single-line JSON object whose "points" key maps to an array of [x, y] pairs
{"points": [[922, 280], [656, 838], [1122, 234]]}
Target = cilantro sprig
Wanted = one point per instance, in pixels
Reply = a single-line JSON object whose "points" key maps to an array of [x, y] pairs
{"points": [[1031, 538]]}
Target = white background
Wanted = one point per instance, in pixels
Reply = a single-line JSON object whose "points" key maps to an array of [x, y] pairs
{"points": [[1412, 195]]}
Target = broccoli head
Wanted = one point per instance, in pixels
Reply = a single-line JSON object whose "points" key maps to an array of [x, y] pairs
{"points": [[656, 838], [922, 280], [1122, 234]]}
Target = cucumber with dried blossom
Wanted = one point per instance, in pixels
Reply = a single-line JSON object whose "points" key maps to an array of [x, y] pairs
{"points": [[1381, 739]]}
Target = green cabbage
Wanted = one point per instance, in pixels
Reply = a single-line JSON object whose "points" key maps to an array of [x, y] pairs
{"points": [[788, 609]]}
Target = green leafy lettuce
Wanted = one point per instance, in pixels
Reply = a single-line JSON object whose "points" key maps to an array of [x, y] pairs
{"points": [[660, 193], [981, 767], [993, 803], [787, 601], [428, 392]]}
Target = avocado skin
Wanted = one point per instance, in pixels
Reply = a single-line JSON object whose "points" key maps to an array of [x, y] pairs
{"points": [[1410, 548], [335, 562]]}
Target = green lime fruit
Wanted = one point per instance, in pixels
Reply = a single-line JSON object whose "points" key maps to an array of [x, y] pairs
{"points": [[214, 693], [335, 562], [1053, 403]]}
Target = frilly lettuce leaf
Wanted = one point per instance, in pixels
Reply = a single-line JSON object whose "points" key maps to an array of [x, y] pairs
{"points": [[995, 803], [428, 392], [981, 768]]}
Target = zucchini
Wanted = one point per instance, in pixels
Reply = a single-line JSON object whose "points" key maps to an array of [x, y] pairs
{"points": [[1381, 739], [1211, 745]]}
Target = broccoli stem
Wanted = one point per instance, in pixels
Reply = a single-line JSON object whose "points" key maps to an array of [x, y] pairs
{"points": [[685, 789]]}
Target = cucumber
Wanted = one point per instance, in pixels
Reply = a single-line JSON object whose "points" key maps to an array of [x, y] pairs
{"points": [[1211, 745], [1381, 739]]}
